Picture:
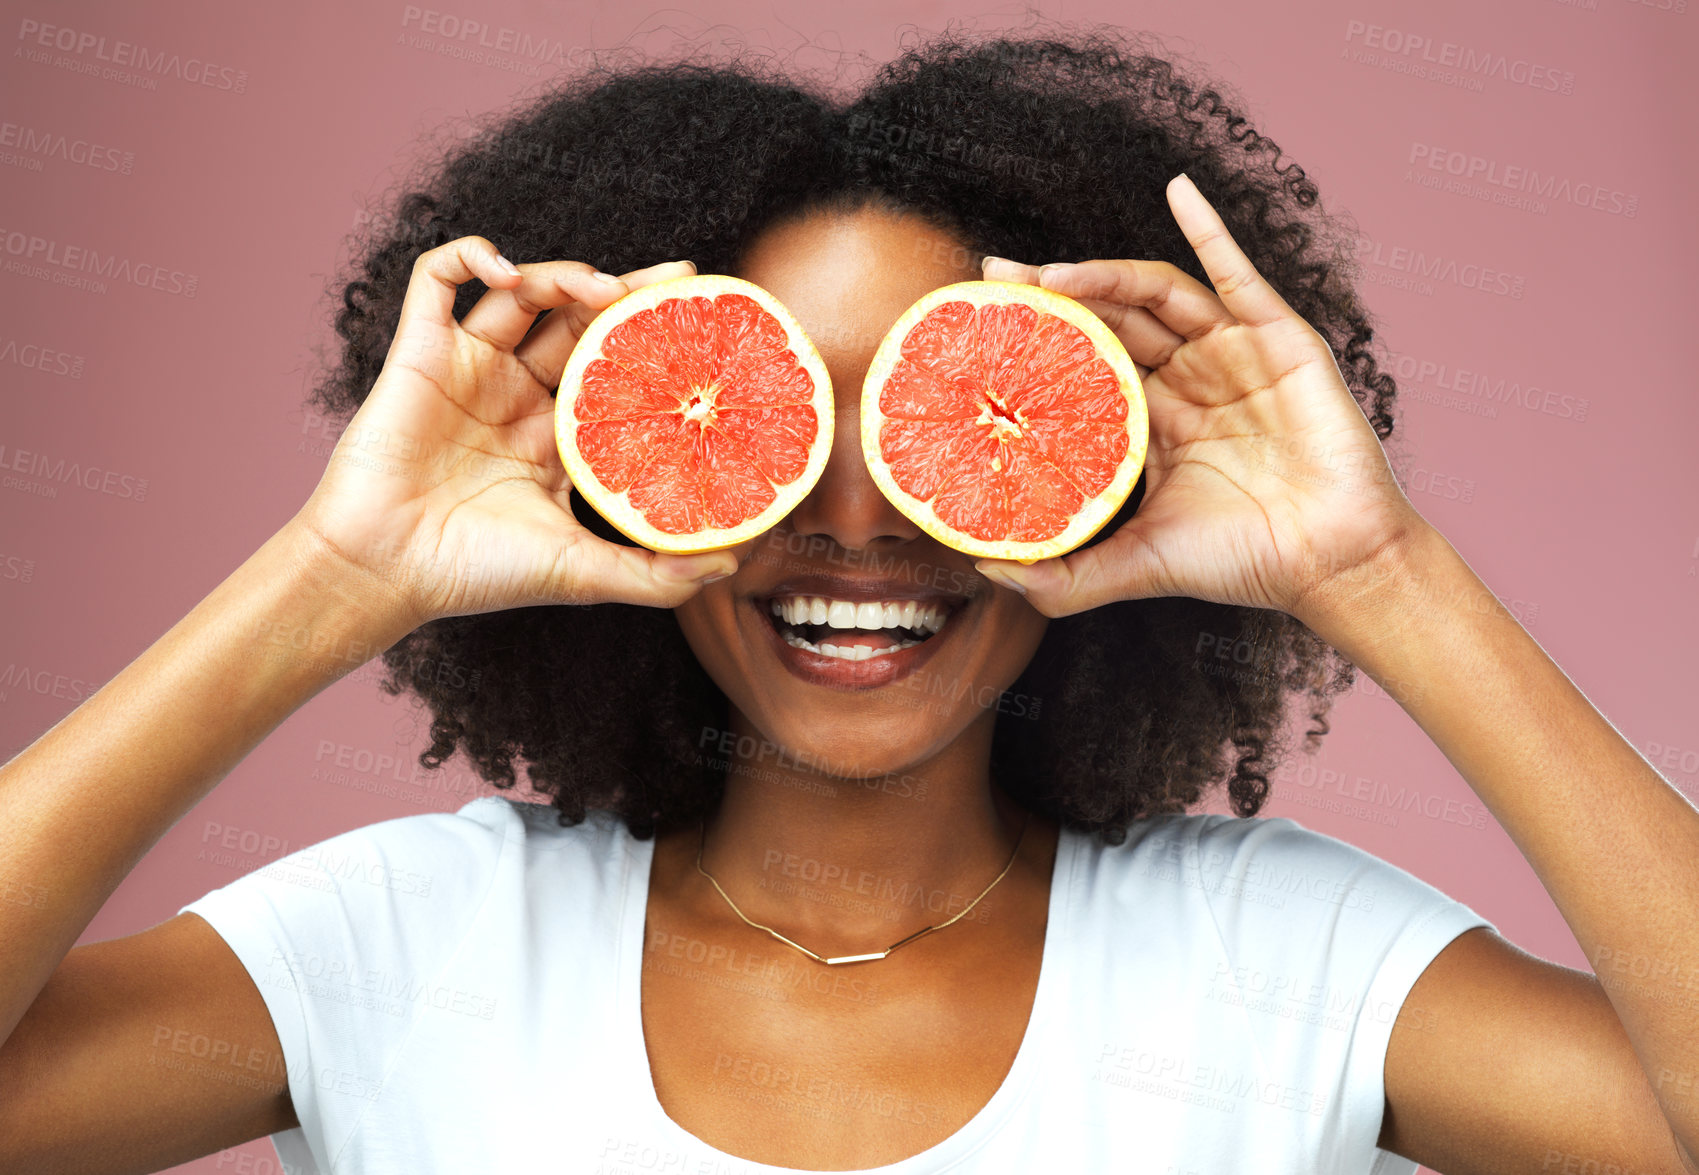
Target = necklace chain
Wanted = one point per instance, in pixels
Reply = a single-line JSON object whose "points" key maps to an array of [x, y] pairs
{"points": [[872, 955]]}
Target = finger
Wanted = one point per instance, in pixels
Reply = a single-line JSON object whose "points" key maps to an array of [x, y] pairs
{"points": [[1002, 269], [439, 273], [1242, 289], [503, 317], [1186, 307], [595, 571], [1147, 339], [1183, 306], [744, 550], [549, 345], [1139, 330], [637, 278], [1122, 567], [1054, 586]]}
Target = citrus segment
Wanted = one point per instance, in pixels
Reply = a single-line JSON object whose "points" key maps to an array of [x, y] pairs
{"points": [[1006, 420], [694, 413]]}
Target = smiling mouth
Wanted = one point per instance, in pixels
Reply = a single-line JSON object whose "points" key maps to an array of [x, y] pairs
{"points": [[856, 630]]}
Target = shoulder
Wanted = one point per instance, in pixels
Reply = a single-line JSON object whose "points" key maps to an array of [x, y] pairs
{"points": [[402, 930], [431, 870], [482, 828], [1267, 891], [533, 832], [1266, 861], [537, 826]]}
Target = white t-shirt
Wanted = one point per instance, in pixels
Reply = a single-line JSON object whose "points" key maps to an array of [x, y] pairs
{"points": [[458, 993]]}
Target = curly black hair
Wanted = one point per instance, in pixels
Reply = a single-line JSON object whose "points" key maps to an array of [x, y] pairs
{"points": [[1052, 147]]}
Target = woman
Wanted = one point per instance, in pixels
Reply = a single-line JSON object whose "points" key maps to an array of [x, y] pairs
{"points": [[651, 974]]}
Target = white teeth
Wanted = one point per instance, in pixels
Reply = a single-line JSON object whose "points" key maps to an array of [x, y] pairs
{"points": [[866, 615], [846, 652]]}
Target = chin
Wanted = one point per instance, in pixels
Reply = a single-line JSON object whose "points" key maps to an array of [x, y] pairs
{"points": [[863, 747], [859, 676]]}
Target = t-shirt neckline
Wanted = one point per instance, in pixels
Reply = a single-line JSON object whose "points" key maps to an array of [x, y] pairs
{"points": [[972, 1135]]}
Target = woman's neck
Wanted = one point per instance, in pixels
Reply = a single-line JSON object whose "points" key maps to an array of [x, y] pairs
{"points": [[845, 865]]}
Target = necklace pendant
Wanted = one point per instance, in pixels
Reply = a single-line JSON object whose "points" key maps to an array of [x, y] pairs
{"points": [[857, 958], [702, 844]]}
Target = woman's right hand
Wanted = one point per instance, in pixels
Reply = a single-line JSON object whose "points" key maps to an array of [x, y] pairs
{"points": [[447, 487]]}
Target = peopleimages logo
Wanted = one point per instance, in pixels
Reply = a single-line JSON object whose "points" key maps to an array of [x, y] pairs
{"points": [[38, 144], [1481, 393], [28, 255], [48, 360], [45, 682], [1422, 56], [1415, 269], [92, 53], [449, 34], [1474, 174], [89, 477]]}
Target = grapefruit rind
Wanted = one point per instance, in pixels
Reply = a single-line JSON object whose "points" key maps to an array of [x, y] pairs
{"points": [[615, 506], [1098, 509]]}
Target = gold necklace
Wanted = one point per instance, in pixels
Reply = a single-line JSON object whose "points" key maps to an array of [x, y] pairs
{"points": [[832, 962]]}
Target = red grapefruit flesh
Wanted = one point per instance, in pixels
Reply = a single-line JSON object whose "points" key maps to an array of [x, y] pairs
{"points": [[1005, 420], [694, 413]]}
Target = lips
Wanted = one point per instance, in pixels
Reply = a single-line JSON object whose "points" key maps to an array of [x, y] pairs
{"points": [[855, 630], [838, 631]]}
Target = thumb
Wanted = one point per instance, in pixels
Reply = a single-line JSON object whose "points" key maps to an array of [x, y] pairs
{"points": [[1122, 567], [677, 577], [603, 572]]}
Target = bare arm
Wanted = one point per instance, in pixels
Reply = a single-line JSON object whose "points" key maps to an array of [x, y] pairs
{"points": [[84, 802], [1614, 844], [1267, 487], [101, 1058], [445, 497]]}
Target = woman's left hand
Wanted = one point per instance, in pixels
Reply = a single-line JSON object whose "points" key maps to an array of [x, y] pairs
{"points": [[1263, 478]]}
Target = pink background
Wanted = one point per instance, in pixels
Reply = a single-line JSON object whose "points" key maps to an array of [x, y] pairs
{"points": [[1578, 503]]}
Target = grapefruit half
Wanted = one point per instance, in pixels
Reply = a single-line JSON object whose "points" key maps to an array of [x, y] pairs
{"points": [[1005, 420], [694, 414]]}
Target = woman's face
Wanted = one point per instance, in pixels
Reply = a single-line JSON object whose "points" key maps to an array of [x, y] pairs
{"points": [[828, 693]]}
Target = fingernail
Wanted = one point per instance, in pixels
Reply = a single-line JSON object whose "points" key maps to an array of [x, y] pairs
{"points": [[506, 264], [606, 277], [1056, 266], [690, 263], [991, 257], [999, 577], [715, 571]]}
